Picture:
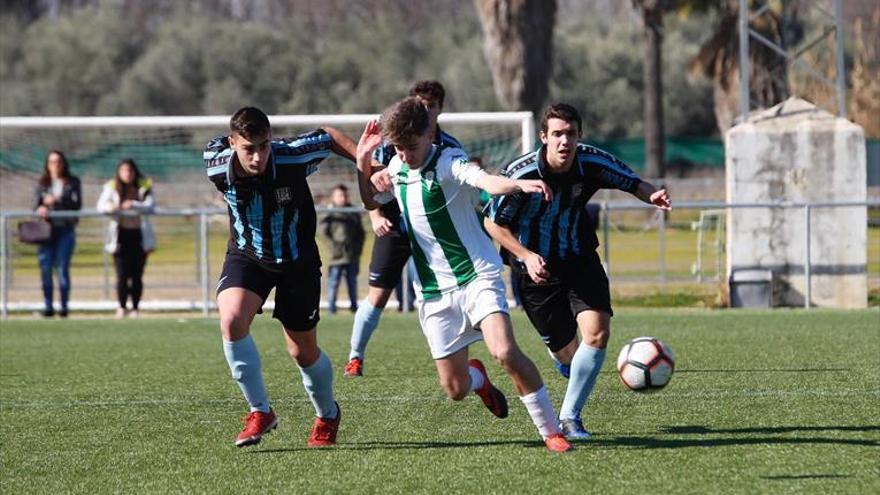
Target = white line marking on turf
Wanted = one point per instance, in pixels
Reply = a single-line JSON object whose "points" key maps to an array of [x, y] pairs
{"points": [[605, 396]]}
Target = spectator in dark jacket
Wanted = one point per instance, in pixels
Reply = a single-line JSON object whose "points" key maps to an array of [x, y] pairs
{"points": [[345, 235], [57, 190]]}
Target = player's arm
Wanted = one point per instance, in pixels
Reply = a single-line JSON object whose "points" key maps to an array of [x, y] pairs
{"points": [[369, 141], [497, 185], [534, 263], [340, 143], [649, 193]]}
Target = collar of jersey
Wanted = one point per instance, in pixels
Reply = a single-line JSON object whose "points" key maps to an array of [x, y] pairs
{"points": [[542, 164], [232, 178]]}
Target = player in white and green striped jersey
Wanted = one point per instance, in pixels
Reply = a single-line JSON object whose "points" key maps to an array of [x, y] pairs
{"points": [[461, 296]]}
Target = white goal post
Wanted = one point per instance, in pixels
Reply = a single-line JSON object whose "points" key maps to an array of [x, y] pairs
{"points": [[523, 119]]}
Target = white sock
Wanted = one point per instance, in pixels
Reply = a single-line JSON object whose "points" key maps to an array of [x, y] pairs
{"points": [[476, 378], [541, 411]]}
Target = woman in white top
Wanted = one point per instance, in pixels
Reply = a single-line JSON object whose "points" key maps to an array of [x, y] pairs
{"points": [[130, 237]]}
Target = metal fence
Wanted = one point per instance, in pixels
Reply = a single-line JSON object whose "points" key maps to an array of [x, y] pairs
{"points": [[202, 259]]}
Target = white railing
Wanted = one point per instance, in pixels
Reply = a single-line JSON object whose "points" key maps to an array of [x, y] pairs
{"points": [[203, 214]]}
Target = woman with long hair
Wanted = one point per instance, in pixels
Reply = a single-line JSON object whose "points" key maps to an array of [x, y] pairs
{"points": [[130, 236], [57, 190]]}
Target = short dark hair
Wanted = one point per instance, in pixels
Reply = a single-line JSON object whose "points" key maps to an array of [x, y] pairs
{"points": [[562, 111], [341, 187], [431, 90], [249, 122], [404, 121]]}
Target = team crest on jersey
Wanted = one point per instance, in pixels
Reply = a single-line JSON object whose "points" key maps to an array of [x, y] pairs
{"points": [[283, 195]]}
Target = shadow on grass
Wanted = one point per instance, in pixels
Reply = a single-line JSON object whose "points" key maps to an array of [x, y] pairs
{"points": [[703, 430], [375, 445], [658, 443], [759, 437], [804, 477], [763, 370]]}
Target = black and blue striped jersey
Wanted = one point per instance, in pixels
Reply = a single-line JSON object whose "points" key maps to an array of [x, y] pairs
{"points": [[386, 152], [559, 229], [271, 216]]}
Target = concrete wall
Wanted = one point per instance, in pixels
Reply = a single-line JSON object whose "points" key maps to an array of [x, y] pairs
{"points": [[795, 152]]}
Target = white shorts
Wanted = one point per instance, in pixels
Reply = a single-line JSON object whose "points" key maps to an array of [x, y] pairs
{"points": [[450, 322]]}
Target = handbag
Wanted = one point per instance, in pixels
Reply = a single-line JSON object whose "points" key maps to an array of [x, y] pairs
{"points": [[35, 231]]}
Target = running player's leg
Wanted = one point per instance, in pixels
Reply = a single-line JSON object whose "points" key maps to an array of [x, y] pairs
{"points": [[548, 309], [449, 334], [241, 292], [590, 300], [237, 307], [389, 256], [487, 305], [297, 298]]}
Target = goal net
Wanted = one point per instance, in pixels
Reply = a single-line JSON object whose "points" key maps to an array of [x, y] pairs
{"points": [[169, 150]]}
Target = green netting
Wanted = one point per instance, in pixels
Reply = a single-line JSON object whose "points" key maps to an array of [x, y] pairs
{"points": [[156, 160], [696, 151]]}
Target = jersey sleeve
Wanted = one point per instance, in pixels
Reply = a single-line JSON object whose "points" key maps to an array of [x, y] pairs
{"points": [[607, 170], [384, 153], [306, 150], [218, 158], [505, 210], [455, 166]]}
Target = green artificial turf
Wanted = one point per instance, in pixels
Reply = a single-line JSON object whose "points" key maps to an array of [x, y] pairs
{"points": [[784, 401]]}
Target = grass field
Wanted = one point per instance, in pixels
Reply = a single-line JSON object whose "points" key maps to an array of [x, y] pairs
{"points": [[762, 402]]}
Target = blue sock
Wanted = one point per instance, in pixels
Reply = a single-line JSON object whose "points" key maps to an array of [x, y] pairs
{"points": [[318, 381], [244, 362], [366, 319], [585, 366]]}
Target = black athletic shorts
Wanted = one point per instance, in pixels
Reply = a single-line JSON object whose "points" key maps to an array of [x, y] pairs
{"points": [[574, 286], [297, 287], [390, 254]]}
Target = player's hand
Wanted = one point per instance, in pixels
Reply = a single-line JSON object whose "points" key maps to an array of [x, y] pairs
{"points": [[661, 200], [381, 180], [370, 139], [48, 200], [537, 268], [126, 205], [381, 225], [43, 212], [536, 186]]}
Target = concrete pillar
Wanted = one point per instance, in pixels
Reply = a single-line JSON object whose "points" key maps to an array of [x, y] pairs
{"points": [[798, 153]]}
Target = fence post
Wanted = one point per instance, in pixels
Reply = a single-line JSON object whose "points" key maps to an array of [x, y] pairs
{"points": [[808, 269], [662, 232], [4, 270], [106, 267], [203, 263]]}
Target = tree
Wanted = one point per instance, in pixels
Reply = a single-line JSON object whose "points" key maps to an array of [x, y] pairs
{"points": [[718, 60], [518, 45], [655, 145]]}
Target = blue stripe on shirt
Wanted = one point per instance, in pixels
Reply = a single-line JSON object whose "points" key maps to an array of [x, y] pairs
{"points": [[545, 227], [237, 222], [292, 237], [277, 223], [255, 218]]}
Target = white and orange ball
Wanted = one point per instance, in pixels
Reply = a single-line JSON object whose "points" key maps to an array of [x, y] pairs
{"points": [[645, 364]]}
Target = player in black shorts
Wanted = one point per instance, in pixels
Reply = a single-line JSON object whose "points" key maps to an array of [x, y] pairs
{"points": [[272, 245], [391, 251], [551, 248]]}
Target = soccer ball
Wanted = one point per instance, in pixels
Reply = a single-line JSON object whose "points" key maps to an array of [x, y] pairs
{"points": [[645, 364]]}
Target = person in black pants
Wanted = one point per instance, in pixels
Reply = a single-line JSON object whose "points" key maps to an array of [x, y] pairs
{"points": [[130, 238]]}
